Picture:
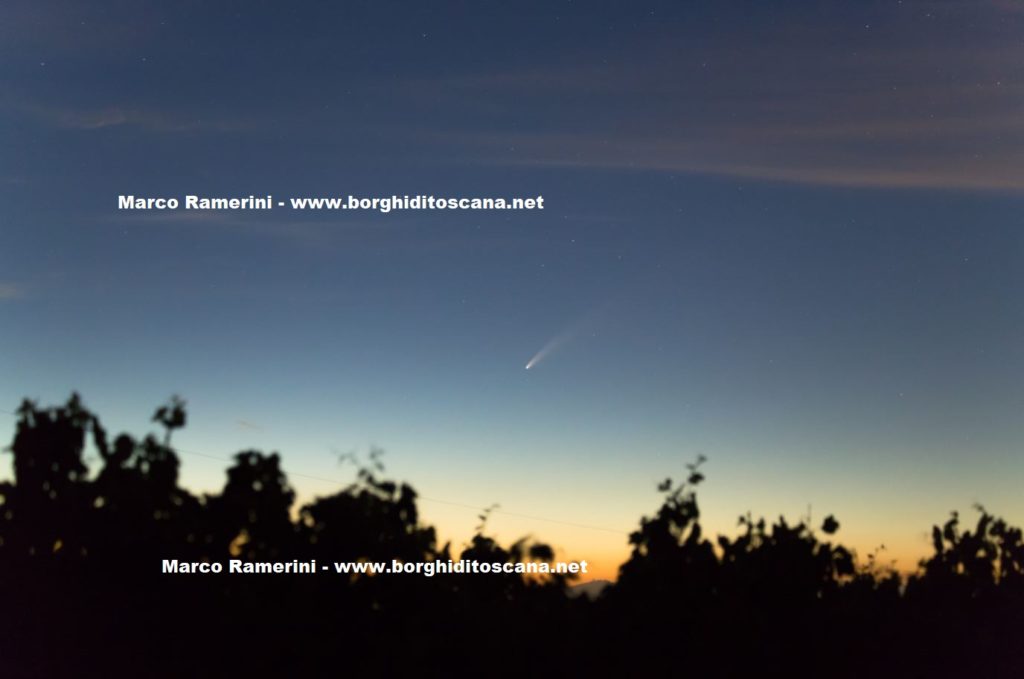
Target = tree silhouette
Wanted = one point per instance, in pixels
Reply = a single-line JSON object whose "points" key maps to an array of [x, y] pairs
{"points": [[81, 554]]}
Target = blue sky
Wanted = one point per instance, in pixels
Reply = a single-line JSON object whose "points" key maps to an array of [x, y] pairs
{"points": [[786, 237]]}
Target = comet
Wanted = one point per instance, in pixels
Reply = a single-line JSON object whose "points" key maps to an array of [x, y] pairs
{"points": [[552, 345], [582, 325]]}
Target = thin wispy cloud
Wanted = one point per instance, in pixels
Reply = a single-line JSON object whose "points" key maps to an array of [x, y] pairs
{"points": [[313, 233], [872, 110], [821, 157], [70, 116], [10, 291]]}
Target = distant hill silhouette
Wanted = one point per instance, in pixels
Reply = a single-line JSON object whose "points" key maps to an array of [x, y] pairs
{"points": [[590, 589], [83, 594]]}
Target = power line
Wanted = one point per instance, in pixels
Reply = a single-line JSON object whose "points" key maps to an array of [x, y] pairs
{"points": [[426, 499], [451, 503]]}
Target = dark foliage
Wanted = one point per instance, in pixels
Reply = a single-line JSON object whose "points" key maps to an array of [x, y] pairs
{"points": [[83, 593]]}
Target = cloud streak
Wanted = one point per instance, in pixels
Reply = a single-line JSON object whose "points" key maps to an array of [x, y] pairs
{"points": [[898, 106], [828, 162], [86, 118], [10, 291]]}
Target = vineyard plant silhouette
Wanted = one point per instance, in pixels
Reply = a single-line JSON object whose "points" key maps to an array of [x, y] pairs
{"points": [[83, 593]]}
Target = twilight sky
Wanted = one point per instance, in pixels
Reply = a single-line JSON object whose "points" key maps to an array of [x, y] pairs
{"points": [[786, 236]]}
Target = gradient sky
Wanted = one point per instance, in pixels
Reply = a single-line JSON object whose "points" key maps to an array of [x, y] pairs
{"points": [[786, 236]]}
